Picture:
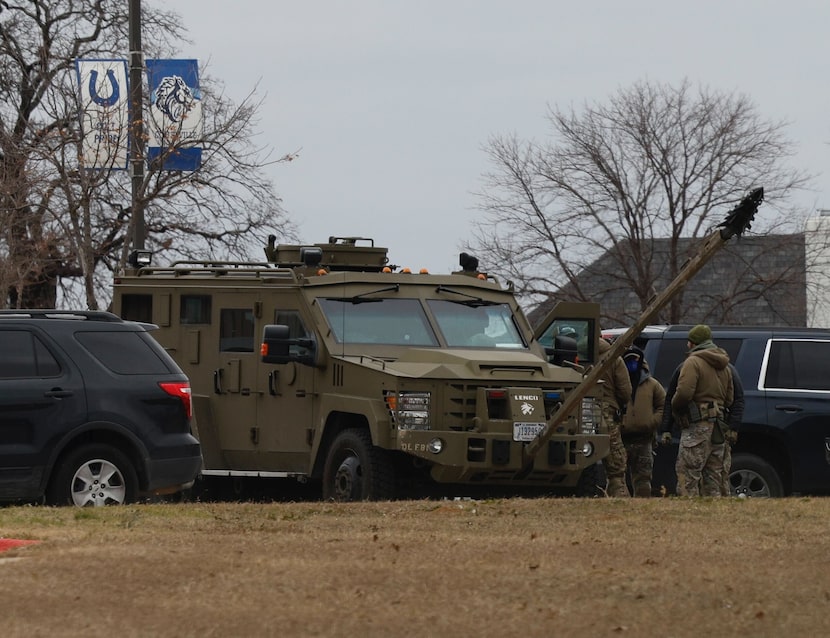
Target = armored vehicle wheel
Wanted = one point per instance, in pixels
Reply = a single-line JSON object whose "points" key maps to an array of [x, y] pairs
{"points": [[592, 482], [752, 476], [93, 475], [356, 470]]}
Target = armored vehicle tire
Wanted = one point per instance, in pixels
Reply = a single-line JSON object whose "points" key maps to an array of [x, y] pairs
{"points": [[592, 482], [356, 470], [93, 475], [752, 476]]}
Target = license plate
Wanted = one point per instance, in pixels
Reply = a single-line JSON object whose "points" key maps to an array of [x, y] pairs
{"points": [[526, 431]]}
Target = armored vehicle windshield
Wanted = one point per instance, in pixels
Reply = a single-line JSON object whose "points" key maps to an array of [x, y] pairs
{"points": [[405, 322]]}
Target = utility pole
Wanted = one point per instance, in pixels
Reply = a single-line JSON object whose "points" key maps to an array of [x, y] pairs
{"points": [[136, 124]]}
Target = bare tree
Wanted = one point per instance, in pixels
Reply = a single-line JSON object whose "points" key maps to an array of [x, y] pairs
{"points": [[628, 180], [63, 226]]}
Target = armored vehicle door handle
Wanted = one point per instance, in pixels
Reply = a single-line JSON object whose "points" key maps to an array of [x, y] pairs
{"points": [[217, 381], [272, 383], [57, 393], [789, 408]]}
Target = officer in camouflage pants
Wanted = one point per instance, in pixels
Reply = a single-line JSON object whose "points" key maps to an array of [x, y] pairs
{"points": [[642, 417], [616, 390], [736, 415], [704, 392]]}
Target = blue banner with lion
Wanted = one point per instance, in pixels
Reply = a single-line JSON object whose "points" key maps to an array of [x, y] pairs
{"points": [[175, 120]]}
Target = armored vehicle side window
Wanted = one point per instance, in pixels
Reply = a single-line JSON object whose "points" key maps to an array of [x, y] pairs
{"points": [[397, 322], [123, 352], [236, 330], [194, 309], [137, 307], [296, 329], [476, 325], [25, 356], [798, 365]]}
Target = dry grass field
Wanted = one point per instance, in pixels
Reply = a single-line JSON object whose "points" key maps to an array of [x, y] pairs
{"points": [[502, 567]]}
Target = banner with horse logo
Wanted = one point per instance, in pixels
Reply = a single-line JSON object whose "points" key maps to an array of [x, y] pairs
{"points": [[104, 111], [174, 125]]}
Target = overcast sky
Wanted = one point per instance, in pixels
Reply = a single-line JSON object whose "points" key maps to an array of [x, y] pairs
{"points": [[391, 101]]}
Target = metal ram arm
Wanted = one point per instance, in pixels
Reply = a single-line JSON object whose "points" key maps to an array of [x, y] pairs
{"points": [[737, 221]]}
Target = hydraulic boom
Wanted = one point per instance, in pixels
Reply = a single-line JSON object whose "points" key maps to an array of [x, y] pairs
{"points": [[737, 221]]}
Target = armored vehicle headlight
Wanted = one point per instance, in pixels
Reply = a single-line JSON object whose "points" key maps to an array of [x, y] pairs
{"points": [[587, 448], [435, 446], [409, 410]]}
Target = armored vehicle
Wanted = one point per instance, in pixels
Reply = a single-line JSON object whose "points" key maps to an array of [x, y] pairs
{"points": [[328, 364]]}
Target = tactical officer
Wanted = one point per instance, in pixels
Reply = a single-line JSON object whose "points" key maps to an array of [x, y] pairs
{"points": [[616, 391], [704, 392], [736, 415], [642, 417]]}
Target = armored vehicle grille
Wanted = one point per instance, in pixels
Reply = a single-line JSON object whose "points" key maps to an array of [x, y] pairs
{"points": [[461, 404]]}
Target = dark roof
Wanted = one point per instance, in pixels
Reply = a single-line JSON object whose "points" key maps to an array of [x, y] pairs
{"points": [[758, 280]]}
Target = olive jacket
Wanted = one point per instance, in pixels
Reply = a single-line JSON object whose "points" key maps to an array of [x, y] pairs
{"points": [[616, 386], [645, 411], [704, 377]]}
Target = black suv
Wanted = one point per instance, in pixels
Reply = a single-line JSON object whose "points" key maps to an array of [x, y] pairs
{"points": [[784, 441], [92, 410]]}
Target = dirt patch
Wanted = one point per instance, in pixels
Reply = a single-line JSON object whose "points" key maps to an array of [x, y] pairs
{"points": [[507, 567]]}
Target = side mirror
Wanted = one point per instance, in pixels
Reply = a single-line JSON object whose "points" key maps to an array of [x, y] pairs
{"points": [[277, 347], [564, 350]]}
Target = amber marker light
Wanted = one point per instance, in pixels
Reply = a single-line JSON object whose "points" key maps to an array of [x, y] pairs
{"points": [[322, 271], [387, 269], [424, 271], [480, 276]]}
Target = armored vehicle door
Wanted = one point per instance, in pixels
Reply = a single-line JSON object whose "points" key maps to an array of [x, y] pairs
{"points": [[574, 320], [287, 412], [235, 378]]}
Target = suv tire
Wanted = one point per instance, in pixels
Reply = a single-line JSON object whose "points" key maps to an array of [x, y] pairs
{"points": [[93, 475], [356, 470], [752, 476]]}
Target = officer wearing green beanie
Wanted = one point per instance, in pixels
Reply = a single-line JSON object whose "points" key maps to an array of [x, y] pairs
{"points": [[704, 393], [699, 334]]}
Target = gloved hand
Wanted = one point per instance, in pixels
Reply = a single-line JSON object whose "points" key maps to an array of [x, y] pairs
{"points": [[665, 438], [731, 437]]}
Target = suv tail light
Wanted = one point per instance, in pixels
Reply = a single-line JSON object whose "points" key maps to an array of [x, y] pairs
{"points": [[180, 389]]}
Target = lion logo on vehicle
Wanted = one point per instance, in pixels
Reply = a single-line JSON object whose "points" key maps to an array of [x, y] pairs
{"points": [[174, 98]]}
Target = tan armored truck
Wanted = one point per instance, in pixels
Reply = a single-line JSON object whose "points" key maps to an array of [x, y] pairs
{"points": [[327, 364]]}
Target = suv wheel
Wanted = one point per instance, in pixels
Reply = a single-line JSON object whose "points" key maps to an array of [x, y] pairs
{"points": [[752, 476], [356, 470], [94, 475]]}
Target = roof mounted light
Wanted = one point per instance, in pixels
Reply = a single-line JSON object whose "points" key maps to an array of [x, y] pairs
{"points": [[140, 257], [311, 255]]}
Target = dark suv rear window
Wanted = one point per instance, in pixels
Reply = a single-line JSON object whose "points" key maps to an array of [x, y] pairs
{"points": [[673, 351], [799, 365], [123, 352], [25, 356]]}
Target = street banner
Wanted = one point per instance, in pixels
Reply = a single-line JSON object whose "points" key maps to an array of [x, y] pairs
{"points": [[104, 110], [174, 124]]}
